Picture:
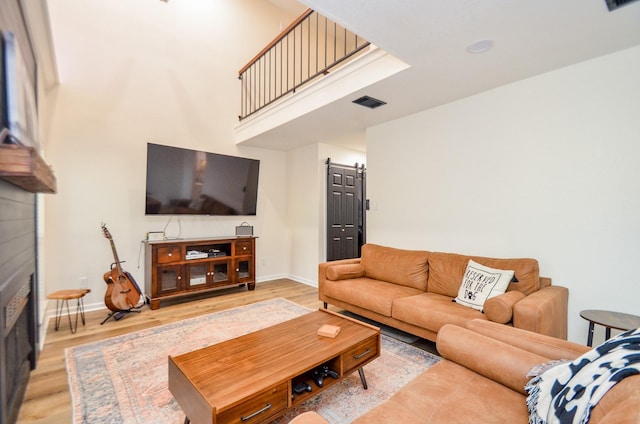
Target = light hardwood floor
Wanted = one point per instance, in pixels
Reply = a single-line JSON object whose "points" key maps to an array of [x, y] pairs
{"points": [[47, 399]]}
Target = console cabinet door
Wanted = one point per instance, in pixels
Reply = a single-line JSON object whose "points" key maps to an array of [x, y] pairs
{"points": [[208, 274], [169, 279], [197, 276], [243, 268], [221, 273]]}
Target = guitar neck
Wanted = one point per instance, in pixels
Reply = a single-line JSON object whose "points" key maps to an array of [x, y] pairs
{"points": [[115, 256]]}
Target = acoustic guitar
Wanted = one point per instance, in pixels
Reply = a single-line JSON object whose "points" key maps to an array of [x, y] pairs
{"points": [[122, 292]]}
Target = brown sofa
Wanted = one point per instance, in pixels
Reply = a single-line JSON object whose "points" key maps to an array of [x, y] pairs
{"points": [[470, 385], [482, 378], [413, 290]]}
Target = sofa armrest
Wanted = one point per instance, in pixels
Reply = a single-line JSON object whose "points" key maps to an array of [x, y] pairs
{"points": [[324, 266], [500, 308], [344, 272], [540, 344], [491, 358], [544, 312]]}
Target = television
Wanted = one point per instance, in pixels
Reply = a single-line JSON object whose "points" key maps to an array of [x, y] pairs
{"points": [[18, 112], [191, 182]]}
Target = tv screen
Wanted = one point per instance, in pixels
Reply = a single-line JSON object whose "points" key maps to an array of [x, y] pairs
{"points": [[183, 181], [18, 116]]}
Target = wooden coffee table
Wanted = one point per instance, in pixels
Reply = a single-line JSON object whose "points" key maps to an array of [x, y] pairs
{"points": [[251, 379]]}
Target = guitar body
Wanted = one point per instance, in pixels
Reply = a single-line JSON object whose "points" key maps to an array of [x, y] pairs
{"points": [[122, 292]]}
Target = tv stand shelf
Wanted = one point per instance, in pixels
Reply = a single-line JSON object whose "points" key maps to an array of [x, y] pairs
{"points": [[178, 268]]}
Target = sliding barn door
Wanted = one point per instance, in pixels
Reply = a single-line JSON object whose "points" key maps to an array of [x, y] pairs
{"points": [[345, 210]]}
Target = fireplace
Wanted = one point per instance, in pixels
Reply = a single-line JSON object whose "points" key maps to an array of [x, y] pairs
{"points": [[18, 338]]}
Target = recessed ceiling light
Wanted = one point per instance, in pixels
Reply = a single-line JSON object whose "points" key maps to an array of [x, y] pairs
{"points": [[480, 46]]}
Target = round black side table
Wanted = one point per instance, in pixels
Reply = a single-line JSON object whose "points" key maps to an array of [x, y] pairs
{"points": [[609, 320]]}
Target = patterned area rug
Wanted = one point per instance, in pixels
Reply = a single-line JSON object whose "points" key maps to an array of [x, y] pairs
{"points": [[124, 379]]}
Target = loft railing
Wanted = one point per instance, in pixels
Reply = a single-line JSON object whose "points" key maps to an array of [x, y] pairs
{"points": [[309, 47]]}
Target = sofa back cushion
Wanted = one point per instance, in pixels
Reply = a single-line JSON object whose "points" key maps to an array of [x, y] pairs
{"points": [[404, 267], [447, 269]]}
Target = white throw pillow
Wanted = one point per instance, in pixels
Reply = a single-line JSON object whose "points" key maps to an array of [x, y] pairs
{"points": [[480, 283]]}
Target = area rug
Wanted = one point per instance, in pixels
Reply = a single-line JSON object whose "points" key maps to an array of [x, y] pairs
{"points": [[123, 379]]}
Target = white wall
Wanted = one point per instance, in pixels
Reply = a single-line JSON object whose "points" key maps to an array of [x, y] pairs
{"points": [[138, 72], [303, 187], [544, 168]]}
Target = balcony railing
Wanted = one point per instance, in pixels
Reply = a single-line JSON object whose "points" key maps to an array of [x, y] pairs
{"points": [[311, 46]]}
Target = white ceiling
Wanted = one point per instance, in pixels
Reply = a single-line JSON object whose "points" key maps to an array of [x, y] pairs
{"points": [[531, 37]]}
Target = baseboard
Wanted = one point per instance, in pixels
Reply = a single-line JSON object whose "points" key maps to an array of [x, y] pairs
{"points": [[295, 278], [272, 277]]}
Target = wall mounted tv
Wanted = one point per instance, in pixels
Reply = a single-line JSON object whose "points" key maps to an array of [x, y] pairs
{"points": [[18, 116], [190, 182]]}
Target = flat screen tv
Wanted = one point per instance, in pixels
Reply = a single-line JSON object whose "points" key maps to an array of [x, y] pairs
{"points": [[18, 117], [183, 181]]}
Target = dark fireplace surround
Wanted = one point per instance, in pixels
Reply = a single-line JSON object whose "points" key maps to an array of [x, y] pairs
{"points": [[19, 326], [18, 347]]}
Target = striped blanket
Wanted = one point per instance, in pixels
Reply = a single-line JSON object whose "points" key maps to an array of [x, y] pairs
{"points": [[567, 392]]}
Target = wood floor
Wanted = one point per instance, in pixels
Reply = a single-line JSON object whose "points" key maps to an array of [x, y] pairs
{"points": [[47, 399]]}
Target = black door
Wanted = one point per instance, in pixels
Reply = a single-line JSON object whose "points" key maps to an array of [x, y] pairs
{"points": [[345, 212]]}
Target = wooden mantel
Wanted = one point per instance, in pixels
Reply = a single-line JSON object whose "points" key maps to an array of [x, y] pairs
{"points": [[24, 167]]}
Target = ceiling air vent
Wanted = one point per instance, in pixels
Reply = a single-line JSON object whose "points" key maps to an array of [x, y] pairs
{"points": [[614, 4], [369, 102]]}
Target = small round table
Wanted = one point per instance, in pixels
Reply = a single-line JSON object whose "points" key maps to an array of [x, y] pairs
{"points": [[62, 298], [609, 320]]}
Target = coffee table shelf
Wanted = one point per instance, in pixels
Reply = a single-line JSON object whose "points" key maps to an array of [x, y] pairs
{"points": [[250, 379]]}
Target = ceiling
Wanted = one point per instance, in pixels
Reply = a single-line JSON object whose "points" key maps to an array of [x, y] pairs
{"points": [[530, 37]]}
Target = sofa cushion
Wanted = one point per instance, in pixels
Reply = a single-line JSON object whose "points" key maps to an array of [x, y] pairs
{"points": [[432, 311], [344, 271], [376, 296], [390, 412], [404, 267], [480, 283], [449, 393], [446, 271]]}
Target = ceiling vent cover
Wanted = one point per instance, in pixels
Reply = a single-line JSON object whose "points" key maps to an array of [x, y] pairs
{"points": [[369, 102], [614, 4]]}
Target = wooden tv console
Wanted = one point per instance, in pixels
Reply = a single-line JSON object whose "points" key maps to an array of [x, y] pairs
{"points": [[171, 272]]}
